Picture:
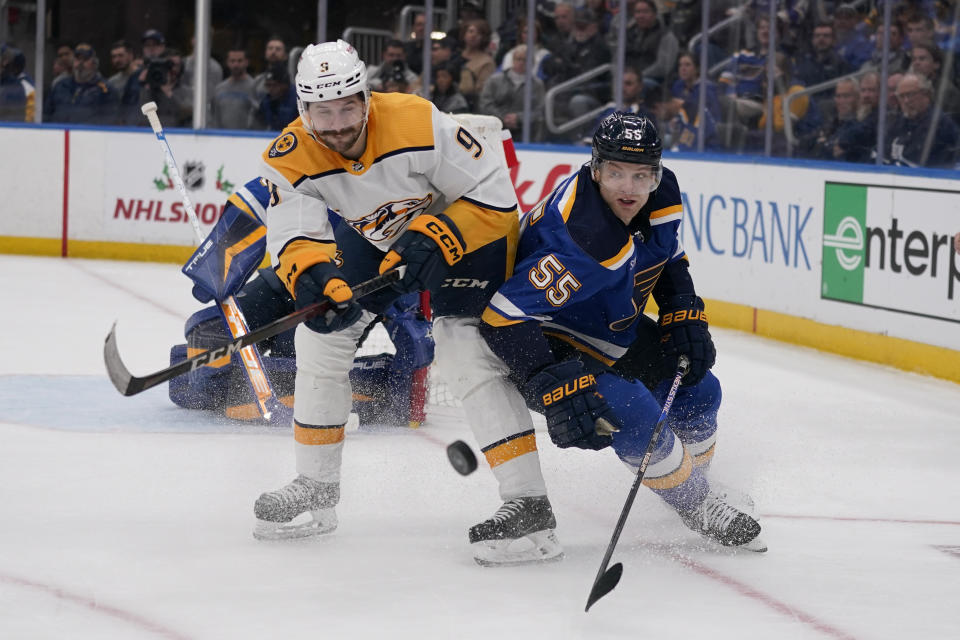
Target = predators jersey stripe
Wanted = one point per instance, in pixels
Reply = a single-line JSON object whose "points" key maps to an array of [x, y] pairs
{"points": [[299, 254], [480, 225], [484, 205], [320, 434], [403, 150], [510, 448], [316, 176]]}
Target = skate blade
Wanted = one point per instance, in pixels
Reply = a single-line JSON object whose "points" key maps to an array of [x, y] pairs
{"points": [[756, 545], [318, 524], [537, 548]]}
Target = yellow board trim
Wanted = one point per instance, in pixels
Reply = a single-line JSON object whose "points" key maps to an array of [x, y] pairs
{"points": [[30, 246], [901, 353], [101, 250]]}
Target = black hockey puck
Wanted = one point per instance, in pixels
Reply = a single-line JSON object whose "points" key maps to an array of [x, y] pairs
{"points": [[461, 457]]}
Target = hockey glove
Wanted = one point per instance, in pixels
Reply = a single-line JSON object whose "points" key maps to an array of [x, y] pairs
{"points": [[577, 415], [683, 330], [428, 247], [322, 282]]}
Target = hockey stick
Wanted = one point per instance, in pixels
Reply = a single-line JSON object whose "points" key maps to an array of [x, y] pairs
{"points": [[606, 579], [267, 401], [129, 384]]}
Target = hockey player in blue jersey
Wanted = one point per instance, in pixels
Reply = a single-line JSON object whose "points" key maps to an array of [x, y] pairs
{"points": [[570, 325]]}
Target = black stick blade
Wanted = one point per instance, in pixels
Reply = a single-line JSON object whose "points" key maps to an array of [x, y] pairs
{"points": [[120, 376], [605, 584]]}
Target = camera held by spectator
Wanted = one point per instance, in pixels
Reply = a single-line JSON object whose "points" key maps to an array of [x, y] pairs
{"points": [[158, 72]]}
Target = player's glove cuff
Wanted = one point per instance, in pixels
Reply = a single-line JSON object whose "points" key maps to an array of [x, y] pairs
{"points": [[323, 282], [428, 246], [577, 415], [684, 330]]}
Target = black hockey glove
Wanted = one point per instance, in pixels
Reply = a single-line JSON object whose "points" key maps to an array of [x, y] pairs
{"points": [[323, 282], [428, 247], [683, 330], [577, 415]]}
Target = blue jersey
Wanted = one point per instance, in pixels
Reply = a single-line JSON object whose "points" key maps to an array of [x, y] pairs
{"points": [[584, 275]]}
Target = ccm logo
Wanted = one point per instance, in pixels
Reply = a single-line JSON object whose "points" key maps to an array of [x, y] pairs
{"points": [[683, 314], [568, 389], [445, 240]]}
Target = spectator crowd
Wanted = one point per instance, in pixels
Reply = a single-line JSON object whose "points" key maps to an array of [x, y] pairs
{"points": [[827, 59]]}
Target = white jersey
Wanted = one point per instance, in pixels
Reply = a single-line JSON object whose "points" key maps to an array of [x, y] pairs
{"points": [[417, 161]]}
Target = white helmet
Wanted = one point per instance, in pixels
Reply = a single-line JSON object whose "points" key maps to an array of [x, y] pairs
{"points": [[330, 71]]}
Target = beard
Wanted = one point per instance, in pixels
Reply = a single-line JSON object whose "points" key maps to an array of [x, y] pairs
{"points": [[341, 140]]}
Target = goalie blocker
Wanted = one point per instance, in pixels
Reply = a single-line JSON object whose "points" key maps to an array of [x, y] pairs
{"points": [[381, 382]]}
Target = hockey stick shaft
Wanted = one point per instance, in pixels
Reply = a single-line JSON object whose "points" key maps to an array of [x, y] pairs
{"points": [[607, 580], [128, 384], [267, 401]]}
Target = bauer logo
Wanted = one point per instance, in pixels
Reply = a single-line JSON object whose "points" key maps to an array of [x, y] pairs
{"points": [[889, 248]]}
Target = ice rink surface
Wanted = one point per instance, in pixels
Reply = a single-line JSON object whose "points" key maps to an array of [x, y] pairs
{"points": [[132, 518]]}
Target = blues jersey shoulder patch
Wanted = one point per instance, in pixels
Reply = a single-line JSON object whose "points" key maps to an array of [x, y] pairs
{"points": [[283, 145]]}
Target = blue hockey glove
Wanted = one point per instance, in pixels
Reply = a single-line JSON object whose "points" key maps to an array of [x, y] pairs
{"points": [[228, 256], [323, 282], [428, 247], [577, 415], [683, 331]]}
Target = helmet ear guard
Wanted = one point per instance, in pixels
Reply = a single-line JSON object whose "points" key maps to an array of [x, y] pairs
{"points": [[629, 138]]}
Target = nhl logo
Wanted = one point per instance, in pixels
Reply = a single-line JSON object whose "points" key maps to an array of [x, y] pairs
{"points": [[193, 175], [358, 167]]}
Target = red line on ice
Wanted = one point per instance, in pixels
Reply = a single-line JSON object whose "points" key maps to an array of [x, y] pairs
{"points": [[762, 598], [854, 519], [127, 290], [94, 605]]}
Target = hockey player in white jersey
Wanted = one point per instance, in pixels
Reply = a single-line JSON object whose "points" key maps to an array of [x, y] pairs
{"points": [[412, 187]]}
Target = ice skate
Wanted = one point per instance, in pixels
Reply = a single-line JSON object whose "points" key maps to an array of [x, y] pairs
{"points": [[520, 532], [303, 508], [723, 523], [735, 498]]}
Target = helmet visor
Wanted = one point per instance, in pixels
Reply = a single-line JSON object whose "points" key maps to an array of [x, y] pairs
{"points": [[336, 115], [628, 178]]}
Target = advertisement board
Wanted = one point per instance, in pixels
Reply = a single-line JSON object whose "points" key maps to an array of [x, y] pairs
{"points": [[842, 246]]}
